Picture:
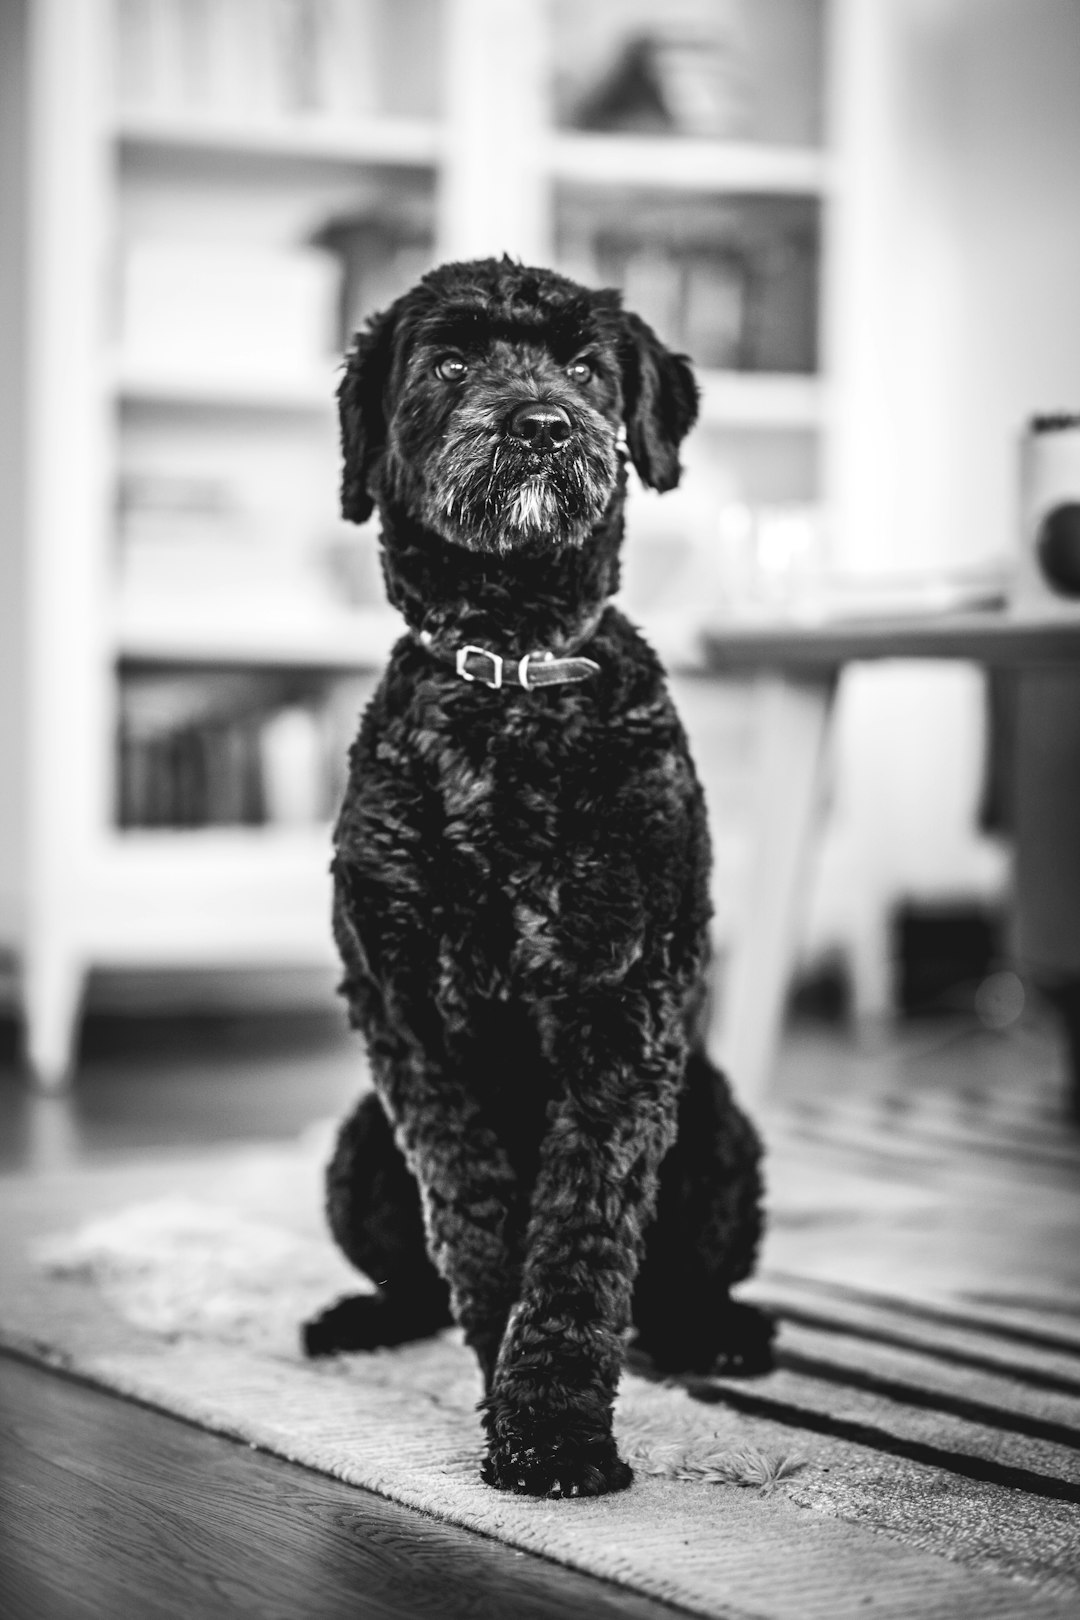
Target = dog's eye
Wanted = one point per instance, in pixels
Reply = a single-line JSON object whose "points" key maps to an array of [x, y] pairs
{"points": [[451, 368], [580, 371]]}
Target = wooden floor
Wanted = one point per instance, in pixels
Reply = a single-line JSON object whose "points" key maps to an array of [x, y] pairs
{"points": [[112, 1511], [109, 1509]]}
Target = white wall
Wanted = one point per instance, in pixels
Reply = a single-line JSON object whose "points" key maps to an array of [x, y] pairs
{"points": [[960, 319], [1018, 185]]}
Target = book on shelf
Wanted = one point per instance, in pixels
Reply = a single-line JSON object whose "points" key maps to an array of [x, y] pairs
{"points": [[193, 558], [227, 310], [186, 539], [233, 748], [381, 251], [182, 533], [713, 313], [732, 281], [238, 59], [188, 751]]}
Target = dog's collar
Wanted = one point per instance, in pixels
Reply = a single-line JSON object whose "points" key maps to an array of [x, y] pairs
{"points": [[475, 663]]}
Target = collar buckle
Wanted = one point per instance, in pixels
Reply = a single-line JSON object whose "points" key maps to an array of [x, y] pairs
{"points": [[494, 680]]}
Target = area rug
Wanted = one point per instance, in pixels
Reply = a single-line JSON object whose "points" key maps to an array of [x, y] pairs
{"points": [[906, 1454]]}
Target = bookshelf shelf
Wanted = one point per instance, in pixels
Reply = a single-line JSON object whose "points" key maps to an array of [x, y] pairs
{"points": [[214, 847], [162, 633], [135, 382], [679, 163], [405, 142]]}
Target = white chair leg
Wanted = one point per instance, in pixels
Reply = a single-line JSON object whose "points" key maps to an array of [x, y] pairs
{"points": [[52, 990], [792, 728], [873, 991]]}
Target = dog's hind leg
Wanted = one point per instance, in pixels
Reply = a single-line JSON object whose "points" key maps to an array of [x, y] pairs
{"points": [[389, 929], [373, 1205], [704, 1238]]}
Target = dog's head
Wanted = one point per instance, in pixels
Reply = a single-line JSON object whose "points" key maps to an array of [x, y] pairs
{"points": [[490, 402]]}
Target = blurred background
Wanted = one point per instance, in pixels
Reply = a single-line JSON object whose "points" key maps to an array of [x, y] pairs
{"points": [[859, 218]]}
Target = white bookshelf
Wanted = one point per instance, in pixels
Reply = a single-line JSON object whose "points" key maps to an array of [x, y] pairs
{"points": [[75, 892], [148, 630], [401, 142], [688, 164], [135, 382]]}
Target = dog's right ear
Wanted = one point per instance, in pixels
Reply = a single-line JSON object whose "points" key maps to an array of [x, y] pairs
{"points": [[661, 403], [362, 412]]}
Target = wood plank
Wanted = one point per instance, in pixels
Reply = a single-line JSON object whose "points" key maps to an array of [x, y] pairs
{"points": [[108, 1508], [938, 1125], [919, 1378], [972, 1339], [869, 1138]]}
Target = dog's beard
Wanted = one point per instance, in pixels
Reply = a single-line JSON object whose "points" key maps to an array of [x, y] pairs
{"points": [[490, 493]]}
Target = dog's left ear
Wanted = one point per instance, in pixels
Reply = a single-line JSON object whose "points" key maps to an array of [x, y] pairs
{"points": [[661, 403], [362, 411]]}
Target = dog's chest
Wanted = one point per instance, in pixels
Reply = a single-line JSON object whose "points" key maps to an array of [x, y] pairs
{"points": [[514, 788], [526, 793]]}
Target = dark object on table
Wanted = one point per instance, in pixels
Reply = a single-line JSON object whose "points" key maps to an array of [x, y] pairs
{"points": [[1058, 547], [943, 954]]}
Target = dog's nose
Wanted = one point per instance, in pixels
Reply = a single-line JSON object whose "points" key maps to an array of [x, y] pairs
{"points": [[543, 427]]}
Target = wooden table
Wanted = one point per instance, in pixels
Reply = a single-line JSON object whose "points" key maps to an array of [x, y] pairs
{"points": [[797, 669]]}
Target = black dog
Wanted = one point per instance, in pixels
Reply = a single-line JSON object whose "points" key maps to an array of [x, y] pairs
{"points": [[521, 885]]}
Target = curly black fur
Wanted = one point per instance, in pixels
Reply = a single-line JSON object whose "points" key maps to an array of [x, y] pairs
{"points": [[521, 888]]}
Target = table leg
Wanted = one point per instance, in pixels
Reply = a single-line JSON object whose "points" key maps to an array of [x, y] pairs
{"points": [[1065, 997], [792, 723]]}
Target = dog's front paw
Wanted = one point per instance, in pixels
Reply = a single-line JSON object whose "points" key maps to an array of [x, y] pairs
{"points": [[555, 1468]]}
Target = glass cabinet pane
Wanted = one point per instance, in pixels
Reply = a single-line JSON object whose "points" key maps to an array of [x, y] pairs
{"points": [[730, 280]]}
